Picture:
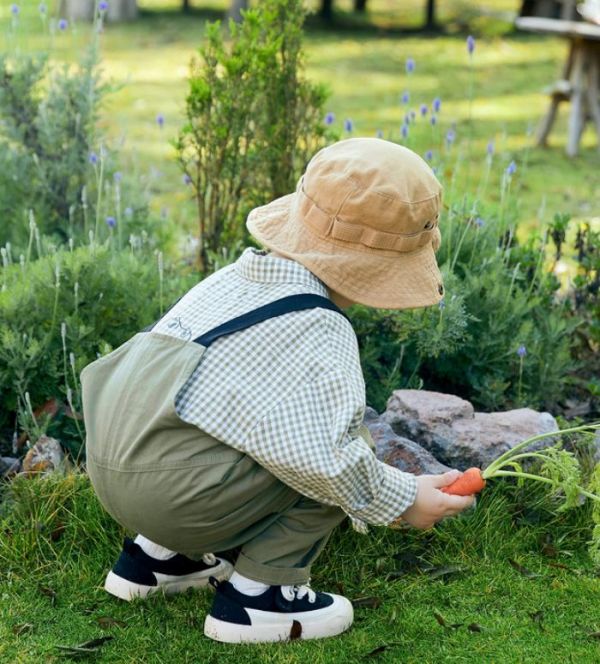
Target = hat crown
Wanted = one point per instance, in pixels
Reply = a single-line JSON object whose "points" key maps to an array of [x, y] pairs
{"points": [[372, 192]]}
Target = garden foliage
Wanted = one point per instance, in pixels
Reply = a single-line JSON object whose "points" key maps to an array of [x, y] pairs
{"points": [[500, 338], [252, 120], [62, 311]]}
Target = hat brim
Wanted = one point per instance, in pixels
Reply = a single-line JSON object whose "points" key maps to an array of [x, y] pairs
{"points": [[384, 280]]}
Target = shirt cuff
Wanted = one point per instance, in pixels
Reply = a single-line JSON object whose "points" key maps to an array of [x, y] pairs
{"points": [[397, 493]]}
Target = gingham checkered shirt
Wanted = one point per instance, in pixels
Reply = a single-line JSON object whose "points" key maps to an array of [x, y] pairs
{"points": [[288, 391]]}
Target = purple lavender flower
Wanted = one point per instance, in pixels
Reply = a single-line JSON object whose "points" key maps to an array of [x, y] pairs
{"points": [[450, 136], [429, 155], [490, 148], [424, 110], [348, 125], [405, 97], [479, 222], [407, 118], [470, 44], [128, 212], [379, 133], [521, 351], [511, 168], [410, 65], [118, 176], [329, 119], [14, 10], [103, 6], [63, 24], [436, 105], [442, 304], [187, 179], [160, 120], [42, 8], [111, 222], [93, 158], [433, 120], [404, 131], [413, 115]]}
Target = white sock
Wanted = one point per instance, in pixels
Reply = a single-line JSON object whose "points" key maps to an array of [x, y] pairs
{"points": [[154, 550], [247, 586]]}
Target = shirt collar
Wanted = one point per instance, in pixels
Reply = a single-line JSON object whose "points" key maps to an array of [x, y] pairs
{"points": [[258, 265]]}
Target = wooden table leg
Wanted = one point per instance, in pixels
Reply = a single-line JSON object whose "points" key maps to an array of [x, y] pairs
{"points": [[593, 91], [548, 120], [578, 95]]}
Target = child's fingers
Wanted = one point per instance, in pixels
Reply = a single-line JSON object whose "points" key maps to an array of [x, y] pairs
{"points": [[456, 504]]}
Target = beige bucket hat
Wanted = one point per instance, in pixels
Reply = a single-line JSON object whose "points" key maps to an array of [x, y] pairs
{"points": [[364, 220]]}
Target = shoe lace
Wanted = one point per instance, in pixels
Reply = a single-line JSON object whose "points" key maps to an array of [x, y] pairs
{"points": [[209, 558], [299, 591]]}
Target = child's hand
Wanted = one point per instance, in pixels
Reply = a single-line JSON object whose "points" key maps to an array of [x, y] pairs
{"points": [[432, 505]]}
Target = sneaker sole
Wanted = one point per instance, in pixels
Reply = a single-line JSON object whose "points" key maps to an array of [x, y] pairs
{"points": [[269, 627], [128, 590]]}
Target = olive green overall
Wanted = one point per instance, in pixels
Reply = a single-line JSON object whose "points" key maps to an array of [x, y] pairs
{"points": [[180, 487]]}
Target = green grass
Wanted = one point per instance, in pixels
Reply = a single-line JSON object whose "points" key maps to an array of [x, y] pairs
{"points": [[57, 545], [363, 64]]}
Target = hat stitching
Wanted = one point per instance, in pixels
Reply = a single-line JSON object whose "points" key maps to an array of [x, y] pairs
{"points": [[392, 196], [335, 217]]}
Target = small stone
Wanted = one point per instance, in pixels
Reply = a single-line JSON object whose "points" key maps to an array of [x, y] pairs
{"points": [[9, 466], [45, 457], [397, 451]]}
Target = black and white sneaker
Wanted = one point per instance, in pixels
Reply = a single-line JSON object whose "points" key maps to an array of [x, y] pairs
{"points": [[281, 613], [136, 574]]}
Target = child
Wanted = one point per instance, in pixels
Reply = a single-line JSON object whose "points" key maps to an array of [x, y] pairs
{"points": [[235, 421]]}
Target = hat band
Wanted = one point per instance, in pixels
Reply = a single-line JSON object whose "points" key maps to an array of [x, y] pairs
{"points": [[327, 225]]}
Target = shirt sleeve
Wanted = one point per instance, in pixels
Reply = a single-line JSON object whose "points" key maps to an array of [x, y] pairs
{"points": [[311, 441]]}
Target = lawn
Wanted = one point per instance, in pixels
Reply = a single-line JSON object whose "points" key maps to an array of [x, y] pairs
{"points": [[57, 545]]}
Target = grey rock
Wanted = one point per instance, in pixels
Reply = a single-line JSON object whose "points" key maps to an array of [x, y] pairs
{"points": [[9, 466], [450, 429], [45, 457], [398, 451]]}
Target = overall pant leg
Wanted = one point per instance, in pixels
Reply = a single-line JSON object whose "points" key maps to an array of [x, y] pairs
{"points": [[282, 554]]}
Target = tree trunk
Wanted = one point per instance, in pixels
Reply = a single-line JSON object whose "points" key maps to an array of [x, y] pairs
{"points": [[327, 10], [235, 9], [430, 15], [83, 10], [186, 6], [360, 6]]}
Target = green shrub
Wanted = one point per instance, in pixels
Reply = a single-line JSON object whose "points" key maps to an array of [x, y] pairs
{"points": [[500, 338], [252, 120], [55, 165], [62, 311]]}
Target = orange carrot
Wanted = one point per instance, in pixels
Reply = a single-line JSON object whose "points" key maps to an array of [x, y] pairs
{"points": [[470, 482]]}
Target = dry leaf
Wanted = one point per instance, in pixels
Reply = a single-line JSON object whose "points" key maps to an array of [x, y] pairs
{"points": [[438, 571], [49, 593], [23, 628], [366, 602], [440, 618], [106, 622], [86, 648], [382, 648], [523, 570], [537, 618]]}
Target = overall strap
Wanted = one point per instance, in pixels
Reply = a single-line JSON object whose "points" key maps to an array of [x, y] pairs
{"points": [[282, 306]]}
